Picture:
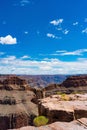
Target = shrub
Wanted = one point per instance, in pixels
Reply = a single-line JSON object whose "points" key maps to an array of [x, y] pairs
{"points": [[59, 93], [65, 97], [40, 120]]}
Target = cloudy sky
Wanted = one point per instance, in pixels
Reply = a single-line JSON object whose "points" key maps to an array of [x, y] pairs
{"points": [[43, 37]]}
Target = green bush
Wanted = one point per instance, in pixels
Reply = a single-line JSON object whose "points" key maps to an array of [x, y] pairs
{"points": [[65, 97], [59, 93], [40, 120]]}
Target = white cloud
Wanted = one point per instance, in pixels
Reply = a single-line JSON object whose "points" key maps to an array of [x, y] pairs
{"points": [[76, 52], [24, 2], [59, 51], [50, 35], [56, 22], [13, 65], [66, 31], [76, 23], [59, 29], [8, 40], [25, 57], [26, 32], [84, 31]]}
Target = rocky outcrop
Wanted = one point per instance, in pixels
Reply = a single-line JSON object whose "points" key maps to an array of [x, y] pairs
{"points": [[80, 124], [16, 108], [57, 109], [14, 83], [73, 84], [75, 81], [39, 94], [43, 80]]}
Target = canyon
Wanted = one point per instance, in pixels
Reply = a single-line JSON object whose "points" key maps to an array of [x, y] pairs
{"points": [[65, 102]]}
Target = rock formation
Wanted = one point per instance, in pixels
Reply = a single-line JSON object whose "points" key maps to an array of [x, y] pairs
{"points": [[43, 80], [57, 109], [16, 108], [73, 84], [80, 124], [75, 81]]}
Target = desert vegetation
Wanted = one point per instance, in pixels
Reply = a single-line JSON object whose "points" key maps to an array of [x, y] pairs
{"points": [[40, 121]]}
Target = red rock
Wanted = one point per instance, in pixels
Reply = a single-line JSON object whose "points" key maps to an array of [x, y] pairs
{"points": [[57, 110], [74, 125]]}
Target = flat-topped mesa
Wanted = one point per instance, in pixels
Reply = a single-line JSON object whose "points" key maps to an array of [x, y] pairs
{"points": [[15, 80], [14, 83], [75, 81]]}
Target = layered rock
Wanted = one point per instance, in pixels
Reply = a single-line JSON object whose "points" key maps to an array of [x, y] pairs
{"points": [[81, 124], [16, 108], [58, 110], [43, 80], [14, 83], [75, 81], [73, 84]]}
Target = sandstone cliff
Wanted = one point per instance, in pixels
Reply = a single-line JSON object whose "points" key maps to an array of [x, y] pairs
{"points": [[73, 84], [80, 124], [56, 108], [16, 108]]}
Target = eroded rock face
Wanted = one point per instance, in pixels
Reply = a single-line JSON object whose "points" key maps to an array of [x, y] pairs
{"points": [[73, 84], [14, 83], [16, 108], [81, 124], [58, 110], [75, 81]]}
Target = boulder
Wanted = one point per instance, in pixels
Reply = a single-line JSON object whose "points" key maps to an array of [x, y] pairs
{"points": [[55, 109], [74, 125]]}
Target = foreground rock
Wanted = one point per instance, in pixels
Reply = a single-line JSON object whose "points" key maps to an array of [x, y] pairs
{"points": [[58, 110], [16, 108], [81, 124]]}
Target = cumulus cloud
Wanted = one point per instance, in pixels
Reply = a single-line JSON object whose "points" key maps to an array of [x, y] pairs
{"points": [[13, 65], [84, 31], [76, 23], [8, 40], [50, 35], [24, 2], [25, 57], [74, 53], [56, 22], [66, 31]]}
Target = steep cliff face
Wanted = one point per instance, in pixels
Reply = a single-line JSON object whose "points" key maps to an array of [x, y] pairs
{"points": [[16, 108], [75, 81], [55, 108], [14, 83], [43, 80], [72, 84], [76, 84], [81, 124]]}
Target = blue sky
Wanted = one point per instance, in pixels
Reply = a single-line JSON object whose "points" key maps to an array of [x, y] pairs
{"points": [[43, 37]]}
